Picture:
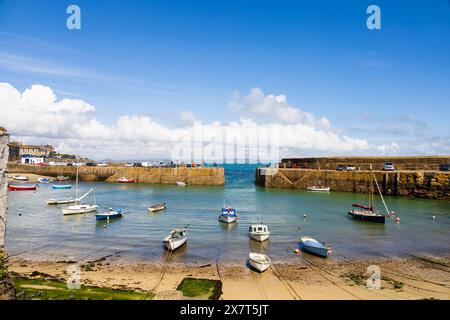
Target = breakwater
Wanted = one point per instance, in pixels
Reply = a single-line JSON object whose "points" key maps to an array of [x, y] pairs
{"points": [[193, 176], [407, 183], [427, 163]]}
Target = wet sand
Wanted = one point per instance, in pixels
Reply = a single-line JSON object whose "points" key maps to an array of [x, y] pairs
{"points": [[309, 279]]}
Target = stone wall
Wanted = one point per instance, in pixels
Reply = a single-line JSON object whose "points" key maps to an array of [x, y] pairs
{"points": [[421, 184], [401, 163], [6, 287], [193, 176], [4, 153]]}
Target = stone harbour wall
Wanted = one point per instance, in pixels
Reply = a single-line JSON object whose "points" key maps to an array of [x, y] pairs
{"points": [[420, 184], [193, 176]]}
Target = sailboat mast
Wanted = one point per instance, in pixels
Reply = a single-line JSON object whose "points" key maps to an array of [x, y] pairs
{"points": [[76, 180], [381, 195]]}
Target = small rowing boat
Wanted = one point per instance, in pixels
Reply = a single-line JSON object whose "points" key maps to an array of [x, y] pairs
{"points": [[315, 247], [62, 178], [182, 184], [176, 239], [110, 214], [61, 186], [45, 180], [157, 207], [125, 180], [15, 187], [228, 215], [20, 178], [318, 189], [259, 261]]}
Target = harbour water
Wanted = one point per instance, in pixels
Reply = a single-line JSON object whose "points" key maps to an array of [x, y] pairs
{"points": [[38, 231]]}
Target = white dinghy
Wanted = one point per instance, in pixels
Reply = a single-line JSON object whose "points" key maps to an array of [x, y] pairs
{"points": [[318, 189], [176, 238], [259, 261]]}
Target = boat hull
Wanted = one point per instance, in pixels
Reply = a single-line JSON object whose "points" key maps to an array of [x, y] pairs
{"points": [[79, 210], [21, 188], [227, 219], [259, 236], [257, 264], [61, 187], [314, 247], [101, 216], [371, 218], [174, 244], [157, 208], [318, 189], [62, 201]]}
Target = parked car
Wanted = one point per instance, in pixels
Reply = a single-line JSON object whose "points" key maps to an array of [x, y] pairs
{"points": [[147, 164], [129, 164], [69, 164], [444, 167], [103, 164], [341, 168], [388, 166], [42, 164], [137, 164], [91, 164], [350, 168]]}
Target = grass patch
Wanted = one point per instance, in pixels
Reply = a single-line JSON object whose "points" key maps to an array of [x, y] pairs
{"points": [[42, 289], [2, 265], [201, 288]]}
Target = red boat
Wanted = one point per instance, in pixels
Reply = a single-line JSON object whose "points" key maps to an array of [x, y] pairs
{"points": [[21, 188], [125, 180]]}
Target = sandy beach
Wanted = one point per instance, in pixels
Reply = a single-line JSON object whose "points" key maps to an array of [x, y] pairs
{"points": [[310, 279]]}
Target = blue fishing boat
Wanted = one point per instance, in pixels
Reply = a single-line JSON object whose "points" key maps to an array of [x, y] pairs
{"points": [[61, 186], [45, 180], [110, 214], [228, 215]]}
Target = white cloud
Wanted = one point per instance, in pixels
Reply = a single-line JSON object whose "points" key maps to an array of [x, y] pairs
{"points": [[37, 116], [273, 108]]}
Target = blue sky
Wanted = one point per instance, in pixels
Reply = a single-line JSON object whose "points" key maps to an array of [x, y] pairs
{"points": [[158, 58]]}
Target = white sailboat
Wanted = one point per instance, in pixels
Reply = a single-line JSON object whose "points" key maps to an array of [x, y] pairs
{"points": [[80, 208]]}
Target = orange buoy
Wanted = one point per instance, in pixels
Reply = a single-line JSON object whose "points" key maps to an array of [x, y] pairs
{"points": [[397, 220]]}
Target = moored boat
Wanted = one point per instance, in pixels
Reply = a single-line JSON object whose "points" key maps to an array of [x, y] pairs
{"points": [[16, 187], [259, 232], [125, 180], [315, 247], [110, 214], [61, 186], [182, 184], [318, 189], [20, 178], [61, 201], [157, 207], [228, 215], [79, 209], [62, 178], [259, 261], [45, 180], [176, 239], [369, 213]]}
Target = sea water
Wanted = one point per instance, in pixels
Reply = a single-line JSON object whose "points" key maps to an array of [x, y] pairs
{"points": [[38, 231]]}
